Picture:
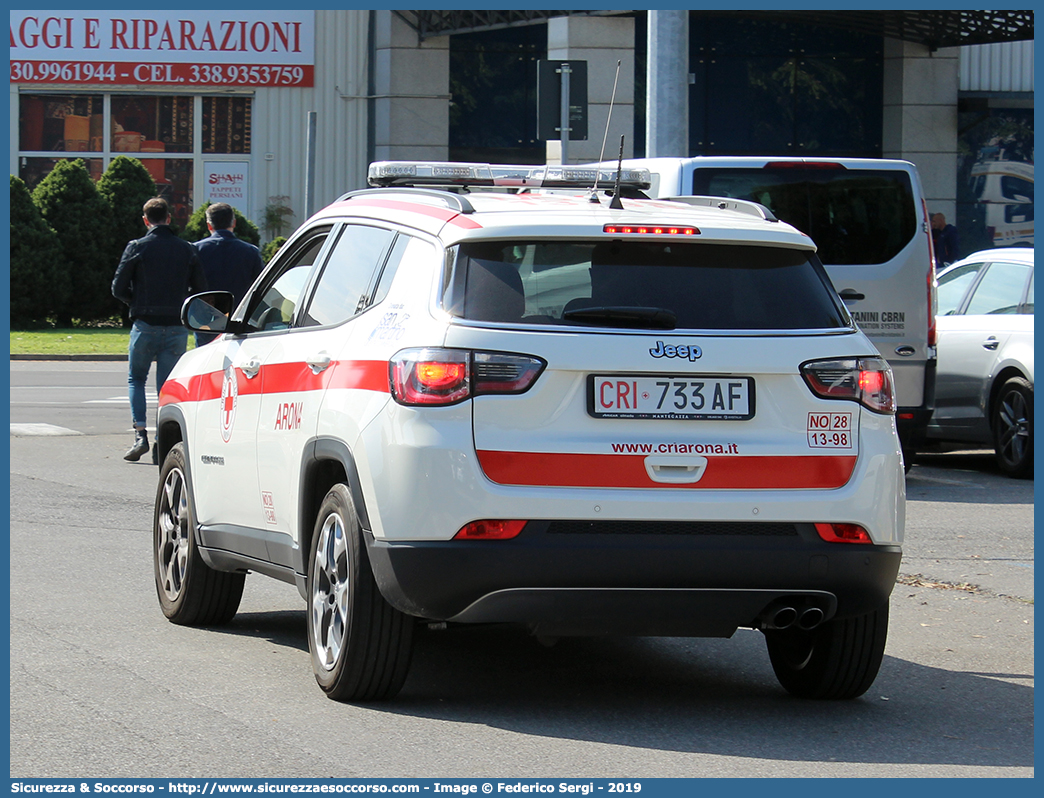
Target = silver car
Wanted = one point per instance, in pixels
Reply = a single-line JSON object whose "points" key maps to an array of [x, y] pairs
{"points": [[984, 385]]}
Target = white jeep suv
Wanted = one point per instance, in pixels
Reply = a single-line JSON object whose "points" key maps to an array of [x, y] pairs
{"points": [[447, 405]]}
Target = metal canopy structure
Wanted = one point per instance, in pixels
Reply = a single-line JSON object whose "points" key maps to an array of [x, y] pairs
{"points": [[934, 29]]}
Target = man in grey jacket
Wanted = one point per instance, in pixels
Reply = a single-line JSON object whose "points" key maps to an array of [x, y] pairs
{"points": [[156, 274]]}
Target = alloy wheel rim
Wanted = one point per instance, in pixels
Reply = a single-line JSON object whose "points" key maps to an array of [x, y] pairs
{"points": [[172, 535], [329, 605], [1014, 428]]}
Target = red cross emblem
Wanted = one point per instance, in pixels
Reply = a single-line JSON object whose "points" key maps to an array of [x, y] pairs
{"points": [[229, 397]]}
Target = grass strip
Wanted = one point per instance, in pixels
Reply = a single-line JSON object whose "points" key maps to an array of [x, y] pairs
{"points": [[74, 341]]}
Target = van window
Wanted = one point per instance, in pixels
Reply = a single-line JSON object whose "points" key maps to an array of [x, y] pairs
{"points": [[855, 216], [642, 284], [1016, 189]]}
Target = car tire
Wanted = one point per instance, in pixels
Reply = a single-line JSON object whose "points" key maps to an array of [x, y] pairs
{"points": [[360, 645], [837, 660], [1012, 424], [190, 592]]}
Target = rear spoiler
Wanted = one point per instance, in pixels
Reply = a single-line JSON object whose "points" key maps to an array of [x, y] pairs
{"points": [[755, 209]]}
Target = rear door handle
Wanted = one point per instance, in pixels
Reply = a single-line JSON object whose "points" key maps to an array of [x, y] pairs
{"points": [[675, 470], [990, 343], [851, 294]]}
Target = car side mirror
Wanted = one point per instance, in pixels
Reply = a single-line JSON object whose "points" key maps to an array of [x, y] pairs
{"points": [[209, 312]]}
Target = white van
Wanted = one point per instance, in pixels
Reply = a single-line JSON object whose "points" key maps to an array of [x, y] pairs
{"points": [[1005, 188], [870, 223]]}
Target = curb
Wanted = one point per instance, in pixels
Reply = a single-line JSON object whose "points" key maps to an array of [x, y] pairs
{"points": [[70, 357]]}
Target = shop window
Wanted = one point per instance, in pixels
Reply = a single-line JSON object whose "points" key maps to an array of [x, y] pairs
{"points": [[174, 183], [151, 124], [994, 178], [226, 124], [493, 76], [158, 130], [60, 123], [766, 87], [33, 170]]}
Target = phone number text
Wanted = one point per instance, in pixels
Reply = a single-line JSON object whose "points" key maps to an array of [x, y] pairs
{"points": [[99, 72]]}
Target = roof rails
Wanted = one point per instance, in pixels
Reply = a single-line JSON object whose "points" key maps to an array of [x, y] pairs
{"points": [[455, 202], [727, 204], [478, 175]]}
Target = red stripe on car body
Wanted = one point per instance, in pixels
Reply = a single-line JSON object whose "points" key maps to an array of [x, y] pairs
{"points": [[364, 375], [764, 472]]}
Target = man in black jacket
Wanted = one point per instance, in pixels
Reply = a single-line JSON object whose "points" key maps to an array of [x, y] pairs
{"points": [[229, 263], [155, 275]]}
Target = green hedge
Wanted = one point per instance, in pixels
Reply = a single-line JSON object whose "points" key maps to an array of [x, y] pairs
{"points": [[196, 227], [70, 203], [39, 279]]}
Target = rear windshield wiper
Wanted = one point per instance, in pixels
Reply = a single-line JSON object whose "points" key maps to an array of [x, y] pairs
{"points": [[640, 318]]}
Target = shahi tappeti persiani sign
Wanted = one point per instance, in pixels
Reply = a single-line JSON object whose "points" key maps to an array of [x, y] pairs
{"points": [[190, 48], [226, 181]]}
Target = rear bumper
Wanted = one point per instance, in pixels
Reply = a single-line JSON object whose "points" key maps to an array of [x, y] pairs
{"points": [[912, 425], [654, 582], [912, 422]]}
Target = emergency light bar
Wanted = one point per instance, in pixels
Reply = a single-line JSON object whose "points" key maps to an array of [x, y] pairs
{"points": [[442, 173]]}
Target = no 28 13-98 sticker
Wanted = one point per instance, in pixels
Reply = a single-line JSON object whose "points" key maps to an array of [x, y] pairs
{"points": [[830, 430]]}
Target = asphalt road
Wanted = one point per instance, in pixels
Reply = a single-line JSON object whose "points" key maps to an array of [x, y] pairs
{"points": [[103, 686]]}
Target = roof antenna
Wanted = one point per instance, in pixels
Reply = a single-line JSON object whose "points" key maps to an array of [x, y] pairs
{"points": [[601, 153], [616, 204]]}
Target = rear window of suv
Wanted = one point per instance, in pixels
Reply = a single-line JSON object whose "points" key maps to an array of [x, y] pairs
{"points": [[656, 285], [855, 216]]}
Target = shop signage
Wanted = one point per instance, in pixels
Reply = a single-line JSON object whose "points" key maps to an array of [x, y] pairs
{"points": [[198, 48], [227, 181]]}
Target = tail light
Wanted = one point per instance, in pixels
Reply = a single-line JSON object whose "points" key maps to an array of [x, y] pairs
{"points": [[843, 533], [866, 380], [431, 376], [441, 377], [933, 301], [651, 229], [490, 530], [804, 165]]}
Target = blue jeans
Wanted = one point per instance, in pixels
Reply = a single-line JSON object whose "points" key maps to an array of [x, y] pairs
{"points": [[149, 344]]}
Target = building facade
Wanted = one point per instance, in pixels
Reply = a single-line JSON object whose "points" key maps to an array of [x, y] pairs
{"points": [[235, 105]]}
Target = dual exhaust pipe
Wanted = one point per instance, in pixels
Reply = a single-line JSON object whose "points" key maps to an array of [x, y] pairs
{"points": [[786, 616]]}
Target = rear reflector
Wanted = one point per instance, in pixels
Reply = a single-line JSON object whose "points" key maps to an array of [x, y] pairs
{"points": [[651, 230], [843, 533], [490, 530]]}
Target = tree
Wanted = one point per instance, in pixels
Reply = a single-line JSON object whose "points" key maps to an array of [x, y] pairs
{"points": [[39, 279], [269, 250], [71, 205], [196, 227], [126, 186], [277, 215]]}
